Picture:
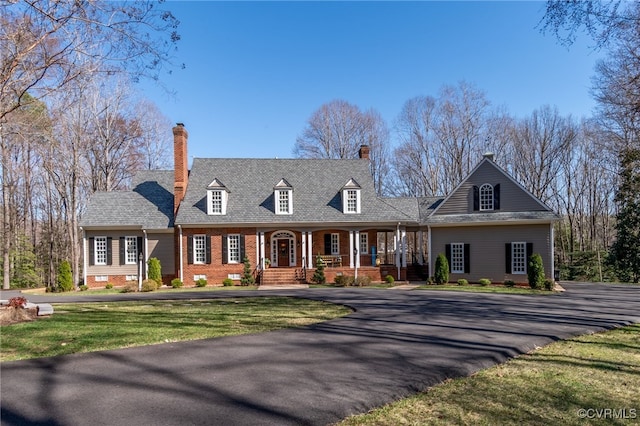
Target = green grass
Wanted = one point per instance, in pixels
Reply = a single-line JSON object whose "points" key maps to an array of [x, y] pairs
{"points": [[546, 387], [87, 327], [485, 289], [93, 291]]}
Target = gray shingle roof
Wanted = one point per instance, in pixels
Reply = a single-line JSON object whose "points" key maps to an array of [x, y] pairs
{"points": [[149, 205], [317, 186], [544, 216]]}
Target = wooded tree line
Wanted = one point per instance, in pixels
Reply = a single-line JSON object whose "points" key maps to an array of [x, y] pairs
{"points": [[70, 126]]}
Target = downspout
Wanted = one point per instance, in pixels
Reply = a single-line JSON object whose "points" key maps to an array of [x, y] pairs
{"points": [[180, 263], [84, 256], [398, 245], [146, 254]]}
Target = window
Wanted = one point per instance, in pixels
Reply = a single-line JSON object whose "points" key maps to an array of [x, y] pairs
{"points": [[199, 249], [352, 201], [283, 201], [364, 243], [457, 258], [131, 277], [233, 248], [100, 250], [335, 244], [216, 202], [486, 197], [519, 258], [131, 250], [101, 278]]}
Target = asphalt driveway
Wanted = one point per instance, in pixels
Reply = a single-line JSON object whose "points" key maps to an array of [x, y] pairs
{"points": [[395, 343]]}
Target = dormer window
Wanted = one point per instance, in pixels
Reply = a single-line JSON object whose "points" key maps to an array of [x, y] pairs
{"points": [[217, 196], [351, 197], [283, 197]]}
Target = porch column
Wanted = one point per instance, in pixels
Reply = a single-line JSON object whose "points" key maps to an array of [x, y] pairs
{"points": [[310, 250], [261, 255], [356, 246], [403, 241], [351, 246], [304, 248]]}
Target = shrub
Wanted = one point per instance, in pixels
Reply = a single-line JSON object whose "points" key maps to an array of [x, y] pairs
{"points": [[155, 270], [509, 283], [176, 283], [431, 281], [318, 275], [83, 287], [549, 284], [201, 282], [389, 279], [441, 275], [130, 287], [362, 280], [109, 286], [64, 280], [535, 272], [341, 280], [462, 281], [484, 282], [247, 276], [149, 285], [227, 282]]}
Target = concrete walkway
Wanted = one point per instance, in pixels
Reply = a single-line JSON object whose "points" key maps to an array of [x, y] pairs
{"points": [[396, 343]]}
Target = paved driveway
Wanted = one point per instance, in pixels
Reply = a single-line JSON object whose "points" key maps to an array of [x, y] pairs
{"points": [[396, 343]]}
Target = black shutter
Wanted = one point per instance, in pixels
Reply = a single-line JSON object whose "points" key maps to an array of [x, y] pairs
{"points": [[190, 250], [207, 242], [92, 247], [476, 198], [496, 197], [109, 251], [507, 257], [123, 250], [242, 255], [327, 243], [529, 253], [447, 251], [225, 251], [467, 258], [140, 248]]}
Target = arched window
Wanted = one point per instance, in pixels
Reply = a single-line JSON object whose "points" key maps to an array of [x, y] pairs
{"points": [[486, 197]]}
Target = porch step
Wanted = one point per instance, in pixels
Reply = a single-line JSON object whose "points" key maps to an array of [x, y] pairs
{"points": [[417, 272], [281, 276]]}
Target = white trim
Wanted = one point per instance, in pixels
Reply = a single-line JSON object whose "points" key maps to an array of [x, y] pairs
{"points": [[95, 250], [404, 245], [310, 250], [195, 260], [223, 202], [513, 258], [180, 249], [429, 249], [552, 243], [351, 254], [459, 270], [127, 239], [490, 199], [84, 256], [236, 237], [345, 200], [146, 254], [356, 243], [289, 196], [281, 235]]}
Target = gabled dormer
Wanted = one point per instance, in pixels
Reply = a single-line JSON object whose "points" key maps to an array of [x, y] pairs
{"points": [[217, 197], [351, 197], [283, 197]]}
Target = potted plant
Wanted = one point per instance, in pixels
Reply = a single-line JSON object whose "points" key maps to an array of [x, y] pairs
{"points": [[267, 262]]}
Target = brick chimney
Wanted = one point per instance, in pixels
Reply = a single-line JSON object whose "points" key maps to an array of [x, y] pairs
{"points": [[181, 164], [364, 152]]}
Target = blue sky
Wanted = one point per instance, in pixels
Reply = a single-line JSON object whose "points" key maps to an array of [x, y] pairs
{"points": [[255, 72]]}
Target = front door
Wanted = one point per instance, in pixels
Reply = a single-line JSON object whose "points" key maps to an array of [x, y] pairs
{"points": [[283, 252]]}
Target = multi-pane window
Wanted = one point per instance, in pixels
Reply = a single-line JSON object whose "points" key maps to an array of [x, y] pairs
{"points": [[233, 247], [100, 250], [335, 244], [131, 250], [486, 197], [283, 202], [199, 249], [216, 202], [352, 201], [519, 258], [364, 243], [457, 258]]}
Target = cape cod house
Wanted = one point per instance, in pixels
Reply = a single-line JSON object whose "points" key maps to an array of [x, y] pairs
{"points": [[282, 214]]}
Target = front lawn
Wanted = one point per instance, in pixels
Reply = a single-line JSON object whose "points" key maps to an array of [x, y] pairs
{"points": [[87, 327], [590, 379]]}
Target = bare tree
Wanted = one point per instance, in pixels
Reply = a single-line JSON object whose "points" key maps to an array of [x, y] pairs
{"points": [[338, 129]]}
